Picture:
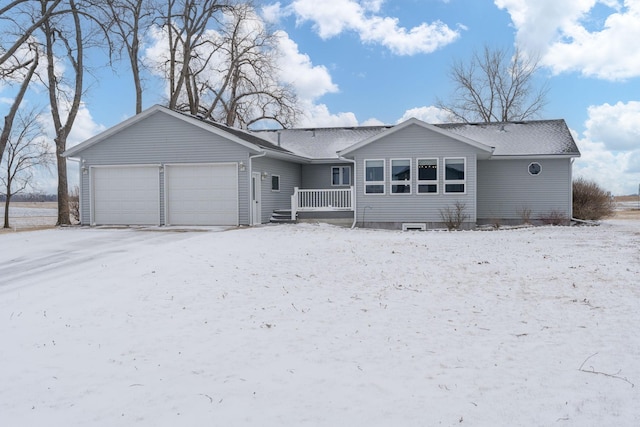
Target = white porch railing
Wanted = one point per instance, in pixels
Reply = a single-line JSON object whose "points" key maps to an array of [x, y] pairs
{"points": [[321, 200]]}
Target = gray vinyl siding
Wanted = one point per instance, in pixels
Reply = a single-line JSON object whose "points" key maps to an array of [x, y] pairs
{"points": [[319, 176], [289, 178], [505, 187], [160, 139], [413, 142]]}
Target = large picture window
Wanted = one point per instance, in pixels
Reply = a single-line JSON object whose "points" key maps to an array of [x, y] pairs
{"points": [[400, 176], [340, 175], [374, 176], [427, 176], [455, 175]]}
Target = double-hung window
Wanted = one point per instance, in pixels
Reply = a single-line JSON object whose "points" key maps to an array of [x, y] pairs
{"points": [[455, 172], [400, 176], [374, 176], [340, 175], [427, 176]]}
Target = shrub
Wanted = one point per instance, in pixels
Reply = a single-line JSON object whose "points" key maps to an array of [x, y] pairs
{"points": [[453, 217], [554, 217], [74, 203], [590, 201], [525, 214]]}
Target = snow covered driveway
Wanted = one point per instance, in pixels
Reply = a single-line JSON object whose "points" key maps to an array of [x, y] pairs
{"points": [[318, 325]]}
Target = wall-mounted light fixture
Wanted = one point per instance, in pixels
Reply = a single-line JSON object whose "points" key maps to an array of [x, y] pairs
{"points": [[161, 168], [264, 175], [242, 166], [85, 170]]}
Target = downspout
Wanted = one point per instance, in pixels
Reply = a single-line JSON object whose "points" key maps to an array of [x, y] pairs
{"points": [[573, 159], [353, 179], [250, 179]]}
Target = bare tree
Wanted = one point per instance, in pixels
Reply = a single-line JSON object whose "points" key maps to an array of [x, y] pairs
{"points": [[64, 95], [246, 89], [26, 149], [32, 64], [221, 64], [14, 8], [495, 86], [129, 20], [186, 23]]}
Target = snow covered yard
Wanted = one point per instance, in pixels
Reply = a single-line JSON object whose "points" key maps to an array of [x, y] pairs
{"points": [[24, 215], [318, 325]]}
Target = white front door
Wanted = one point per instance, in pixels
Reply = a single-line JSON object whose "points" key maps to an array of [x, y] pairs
{"points": [[256, 196]]}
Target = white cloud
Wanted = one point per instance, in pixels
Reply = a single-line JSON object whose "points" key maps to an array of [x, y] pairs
{"points": [[617, 126], [426, 114], [564, 35], [310, 81], [318, 115], [609, 170], [272, 12], [610, 147], [373, 122], [333, 17]]}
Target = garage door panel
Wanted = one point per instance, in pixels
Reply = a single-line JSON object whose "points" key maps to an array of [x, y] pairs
{"points": [[204, 194], [126, 195]]}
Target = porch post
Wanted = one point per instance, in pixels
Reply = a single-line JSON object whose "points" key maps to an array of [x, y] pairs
{"points": [[294, 203]]}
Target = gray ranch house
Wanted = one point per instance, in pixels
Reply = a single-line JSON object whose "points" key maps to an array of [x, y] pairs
{"points": [[162, 167]]}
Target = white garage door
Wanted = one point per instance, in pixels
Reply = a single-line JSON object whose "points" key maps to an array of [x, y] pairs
{"points": [[126, 195], [204, 194]]}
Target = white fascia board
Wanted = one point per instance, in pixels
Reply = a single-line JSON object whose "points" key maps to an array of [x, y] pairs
{"points": [[414, 121], [285, 156]]}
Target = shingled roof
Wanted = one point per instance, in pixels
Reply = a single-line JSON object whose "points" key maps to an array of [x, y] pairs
{"points": [[530, 138], [320, 143]]}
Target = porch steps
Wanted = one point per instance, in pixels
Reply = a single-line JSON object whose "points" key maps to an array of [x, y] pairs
{"points": [[281, 216]]}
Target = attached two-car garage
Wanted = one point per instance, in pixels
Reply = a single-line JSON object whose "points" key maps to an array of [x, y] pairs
{"points": [[194, 194]]}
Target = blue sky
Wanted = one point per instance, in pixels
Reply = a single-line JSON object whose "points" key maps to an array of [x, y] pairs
{"points": [[359, 62]]}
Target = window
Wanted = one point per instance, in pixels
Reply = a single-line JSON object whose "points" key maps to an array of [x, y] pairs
{"points": [[427, 176], [374, 176], [401, 176], [454, 175], [340, 175], [535, 168], [275, 182]]}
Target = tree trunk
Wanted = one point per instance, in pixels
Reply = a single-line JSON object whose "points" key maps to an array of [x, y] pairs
{"points": [[6, 210], [63, 187]]}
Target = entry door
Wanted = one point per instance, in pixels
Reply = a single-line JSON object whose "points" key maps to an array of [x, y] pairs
{"points": [[256, 198]]}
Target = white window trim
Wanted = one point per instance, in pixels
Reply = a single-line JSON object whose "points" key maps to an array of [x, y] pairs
{"points": [[454, 181], [341, 176], [279, 183], [409, 182], [435, 182], [384, 175]]}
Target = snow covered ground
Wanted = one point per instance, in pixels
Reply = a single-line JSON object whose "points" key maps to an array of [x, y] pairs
{"points": [[321, 326], [23, 215]]}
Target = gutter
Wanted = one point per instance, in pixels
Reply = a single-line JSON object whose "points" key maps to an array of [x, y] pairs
{"points": [[353, 179]]}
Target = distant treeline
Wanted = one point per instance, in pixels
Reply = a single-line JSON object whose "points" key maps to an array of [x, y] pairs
{"points": [[33, 197]]}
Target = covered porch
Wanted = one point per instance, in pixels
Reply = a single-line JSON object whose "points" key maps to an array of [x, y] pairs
{"points": [[322, 200]]}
